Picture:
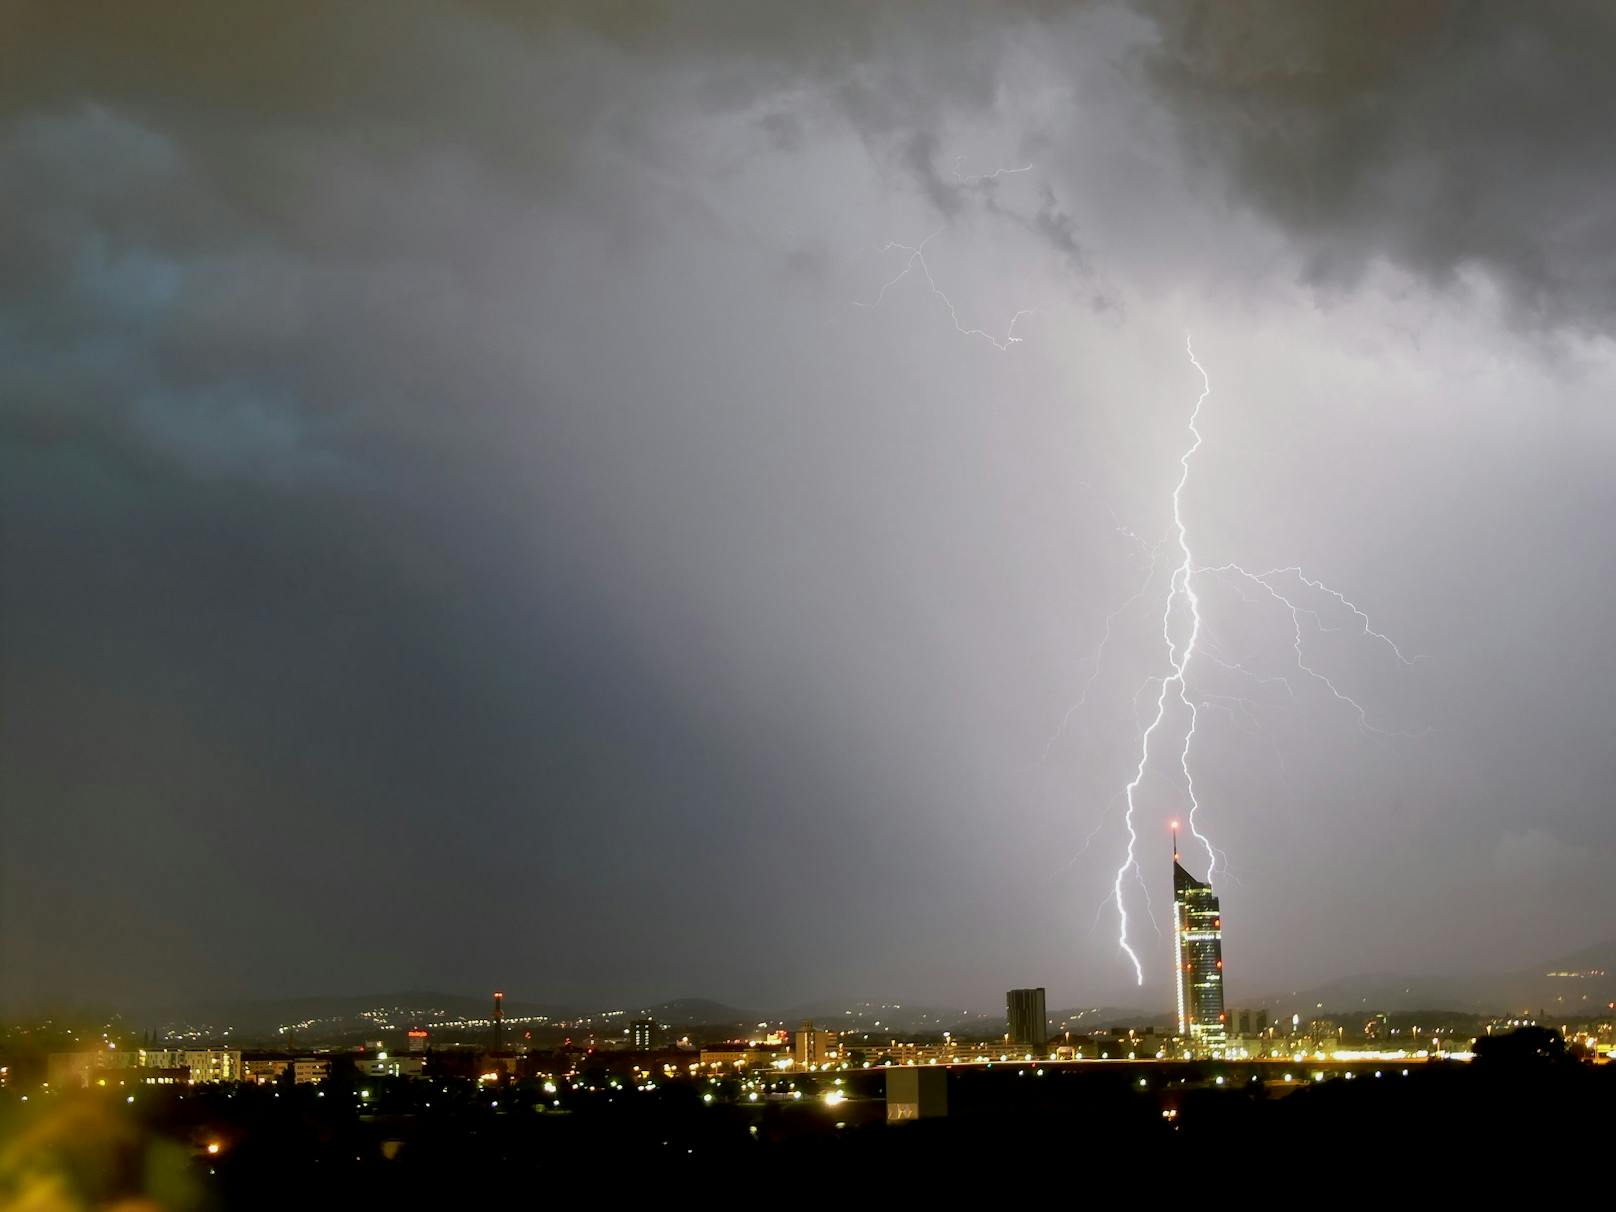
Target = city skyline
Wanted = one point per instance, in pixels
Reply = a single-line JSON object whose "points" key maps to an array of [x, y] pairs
{"points": [[1569, 984]]}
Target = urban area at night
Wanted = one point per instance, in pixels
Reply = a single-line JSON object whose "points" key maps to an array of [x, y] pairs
{"points": [[419, 1096], [854, 602]]}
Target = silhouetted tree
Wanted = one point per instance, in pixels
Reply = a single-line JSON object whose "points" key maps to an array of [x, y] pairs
{"points": [[1525, 1046]]}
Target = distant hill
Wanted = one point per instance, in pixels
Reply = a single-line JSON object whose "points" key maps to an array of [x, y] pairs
{"points": [[318, 1017], [1080, 1020], [1570, 984], [881, 1016], [699, 1011], [334, 1015]]}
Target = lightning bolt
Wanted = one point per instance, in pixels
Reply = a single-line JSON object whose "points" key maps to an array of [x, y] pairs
{"points": [[917, 257], [1183, 606], [1181, 588], [1261, 579], [1088, 841], [992, 176]]}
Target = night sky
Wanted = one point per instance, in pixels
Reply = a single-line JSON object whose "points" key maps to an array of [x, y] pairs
{"points": [[462, 525]]}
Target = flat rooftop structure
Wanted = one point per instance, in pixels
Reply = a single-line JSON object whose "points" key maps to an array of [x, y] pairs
{"points": [[916, 1092]]}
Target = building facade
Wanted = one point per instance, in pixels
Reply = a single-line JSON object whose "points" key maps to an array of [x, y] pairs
{"points": [[384, 1065], [740, 1056], [814, 1047], [949, 1052], [71, 1070], [1028, 1020], [143, 1065], [1247, 1024], [1198, 944], [266, 1070], [916, 1094], [203, 1064]]}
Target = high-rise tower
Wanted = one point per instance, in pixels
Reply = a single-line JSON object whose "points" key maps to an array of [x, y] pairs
{"points": [[1026, 1017], [1198, 940]]}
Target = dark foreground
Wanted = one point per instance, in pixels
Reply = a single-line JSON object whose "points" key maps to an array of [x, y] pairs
{"points": [[404, 1144]]}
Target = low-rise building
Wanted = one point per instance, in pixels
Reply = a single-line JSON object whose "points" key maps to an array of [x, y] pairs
{"points": [[265, 1070], [71, 1070], [740, 1056], [812, 1048], [201, 1064], [104, 1066], [1248, 1024], [916, 1094], [385, 1065]]}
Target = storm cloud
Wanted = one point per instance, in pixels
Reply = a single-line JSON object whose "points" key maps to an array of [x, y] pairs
{"points": [[464, 523], [1447, 137]]}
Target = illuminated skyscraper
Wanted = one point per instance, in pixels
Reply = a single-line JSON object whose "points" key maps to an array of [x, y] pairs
{"points": [[1198, 939]]}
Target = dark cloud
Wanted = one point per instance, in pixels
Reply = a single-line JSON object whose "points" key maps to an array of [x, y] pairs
{"points": [[1441, 135], [919, 156], [457, 528]]}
